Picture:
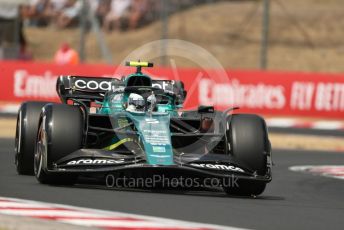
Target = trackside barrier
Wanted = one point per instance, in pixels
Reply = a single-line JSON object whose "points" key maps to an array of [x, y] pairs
{"points": [[267, 93]]}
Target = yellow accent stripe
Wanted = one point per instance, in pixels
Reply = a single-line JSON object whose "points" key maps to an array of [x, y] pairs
{"points": [[136, 63], [113, 146]]}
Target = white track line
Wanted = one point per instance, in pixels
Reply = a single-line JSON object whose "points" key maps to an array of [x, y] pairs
{"points": [[328, 125], [122, 224], [9, 108], [8, 204], [47, 213]]}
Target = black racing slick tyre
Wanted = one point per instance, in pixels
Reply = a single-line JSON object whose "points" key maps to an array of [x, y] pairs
{"points": [[249, 145], [26, 132], [60, 133]]}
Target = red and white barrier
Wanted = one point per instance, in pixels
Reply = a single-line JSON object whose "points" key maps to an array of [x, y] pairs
{"points": [[333, 171], [266, 93], [304, 124], [95, 218]]}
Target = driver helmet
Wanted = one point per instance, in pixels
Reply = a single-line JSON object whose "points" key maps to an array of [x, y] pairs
{"points": [[135, 103]]}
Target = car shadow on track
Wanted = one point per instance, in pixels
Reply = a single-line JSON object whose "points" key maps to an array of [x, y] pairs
{"points": [[202, 192]]}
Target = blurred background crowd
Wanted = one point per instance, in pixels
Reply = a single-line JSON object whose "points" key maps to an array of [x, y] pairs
{"points": [[111, 14], [65, 13], [295, 35]]}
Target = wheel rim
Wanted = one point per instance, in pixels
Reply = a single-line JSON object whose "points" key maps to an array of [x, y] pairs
{"points": [[40, 151], [18, 138]]}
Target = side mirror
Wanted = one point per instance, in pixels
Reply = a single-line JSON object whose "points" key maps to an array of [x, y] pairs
{"points": [[206, 109]]}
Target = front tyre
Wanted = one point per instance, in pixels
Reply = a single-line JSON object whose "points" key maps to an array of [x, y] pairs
{"points": [[26, 132], [249, 144], [60, 133]]}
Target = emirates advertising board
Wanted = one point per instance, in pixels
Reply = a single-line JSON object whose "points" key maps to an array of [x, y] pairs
{"points": [[265, 93]]}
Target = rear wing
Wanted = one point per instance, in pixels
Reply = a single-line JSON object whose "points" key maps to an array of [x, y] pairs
{"points": [[85, 88], [94, 88]]}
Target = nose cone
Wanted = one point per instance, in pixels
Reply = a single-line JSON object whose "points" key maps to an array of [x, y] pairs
{"points": [[156, 137]]}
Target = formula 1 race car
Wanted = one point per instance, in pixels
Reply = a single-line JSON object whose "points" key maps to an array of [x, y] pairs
{"points": [[135, 127]]}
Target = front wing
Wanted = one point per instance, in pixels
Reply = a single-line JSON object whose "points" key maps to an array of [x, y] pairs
{"points": [[88, 162]]}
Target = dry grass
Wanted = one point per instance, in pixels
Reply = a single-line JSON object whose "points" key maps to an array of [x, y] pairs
{"points": [[7, 127], [308, 38], [306, 142]]}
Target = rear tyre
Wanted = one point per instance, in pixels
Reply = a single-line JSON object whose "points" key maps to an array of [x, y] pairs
{"points": [[249, 143], [60, 133], [26, 131]]}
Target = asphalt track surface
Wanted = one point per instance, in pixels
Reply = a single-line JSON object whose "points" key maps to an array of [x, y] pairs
{"points": [[292, 200]]}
